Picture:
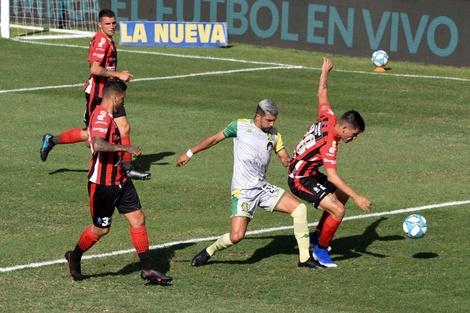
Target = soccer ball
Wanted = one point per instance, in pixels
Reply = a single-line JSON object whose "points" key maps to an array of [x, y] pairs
{"points": [[415, 226], [379, 58]]}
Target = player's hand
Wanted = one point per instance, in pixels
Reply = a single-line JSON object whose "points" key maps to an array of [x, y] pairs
{"points": [[327, 65], [290, 165], [126, 76], [183, 160], [135, 150], [363, 203]]}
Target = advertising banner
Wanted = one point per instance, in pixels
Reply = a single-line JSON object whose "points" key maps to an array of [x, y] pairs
{"points": [[427, 31], [174, 34]]}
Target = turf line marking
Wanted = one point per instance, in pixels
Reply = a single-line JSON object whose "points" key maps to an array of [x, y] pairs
{"points": [[253, 232], [175, 55], [254, 69], [246, 61]]}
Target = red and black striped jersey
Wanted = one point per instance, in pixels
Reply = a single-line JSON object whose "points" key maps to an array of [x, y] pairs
{"points": [[318, 146], [105, 167], [103, 50]]}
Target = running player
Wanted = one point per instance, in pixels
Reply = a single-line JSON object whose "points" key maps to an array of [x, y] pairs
{"points": [[102, 58]]}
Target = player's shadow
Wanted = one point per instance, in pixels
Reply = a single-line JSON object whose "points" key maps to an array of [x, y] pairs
{"points": [[343, 248], [142, 163], [64, 170], [356, 246], [160, 257], [425, 255]]}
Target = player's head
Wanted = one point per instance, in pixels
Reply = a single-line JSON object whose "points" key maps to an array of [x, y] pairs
{"points": [[266, 114], [107, 22], [351, 125], [267, 106], [106, 13], [115, 91]]}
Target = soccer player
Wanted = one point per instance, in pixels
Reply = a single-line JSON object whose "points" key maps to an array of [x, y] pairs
{"points": [[109, 187], [319, 147], [254, 140], [102, 58]]}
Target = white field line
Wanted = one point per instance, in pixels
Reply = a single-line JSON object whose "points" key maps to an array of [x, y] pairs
{"points": [[160, 78], [248, 233], [287, 66]]}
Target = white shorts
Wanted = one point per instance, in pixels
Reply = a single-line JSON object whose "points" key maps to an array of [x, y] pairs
{"points": [[245, 201]]}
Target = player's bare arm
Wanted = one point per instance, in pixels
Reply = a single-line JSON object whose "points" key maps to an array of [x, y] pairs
{"points": [[323, 84], [101, 145], [98, 70], [284, 157], [338, 182], [203, 145]]}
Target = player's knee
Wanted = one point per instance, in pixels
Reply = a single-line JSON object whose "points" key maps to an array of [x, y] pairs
{"points": [[338, 211], [124, 129], [300, 212], [123, 125], [100, 232], [236, 237]]}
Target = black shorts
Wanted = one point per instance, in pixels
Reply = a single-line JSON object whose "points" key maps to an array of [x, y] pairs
{"points": [[312, 189], [104, 200], [91, 105]]}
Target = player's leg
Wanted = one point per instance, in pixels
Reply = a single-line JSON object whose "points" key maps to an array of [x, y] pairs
{"points": [[70, 136], [129, 205], [239, 225], [342, 196], [241, 216], [101, 208], [336, 211], [287, 203], [125, 130], [313, 189], [315, 236]]}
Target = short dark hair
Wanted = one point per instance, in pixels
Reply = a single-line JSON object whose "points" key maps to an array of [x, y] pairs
{"points": [[114, 86], [354, 119], [106, 13]]}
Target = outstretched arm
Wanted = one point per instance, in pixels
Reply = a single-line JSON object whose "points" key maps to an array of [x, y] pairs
{"points": [[323, 85], [338, 182], [203, 145]]}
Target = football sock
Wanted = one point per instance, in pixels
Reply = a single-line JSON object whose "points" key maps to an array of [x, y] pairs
{"points": [[321, 222], [145, 260], [301, 231], [71, 136], [140, 239], [220, 244], [54, 140], [328, 231], [86, 241], [126, 141], [76, 254]]}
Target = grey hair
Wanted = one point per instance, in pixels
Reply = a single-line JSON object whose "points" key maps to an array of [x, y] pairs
{"points": [[267, 106]]}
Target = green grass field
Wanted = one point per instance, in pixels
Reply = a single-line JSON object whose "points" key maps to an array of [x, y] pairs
{"points": [[414, 153]]}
